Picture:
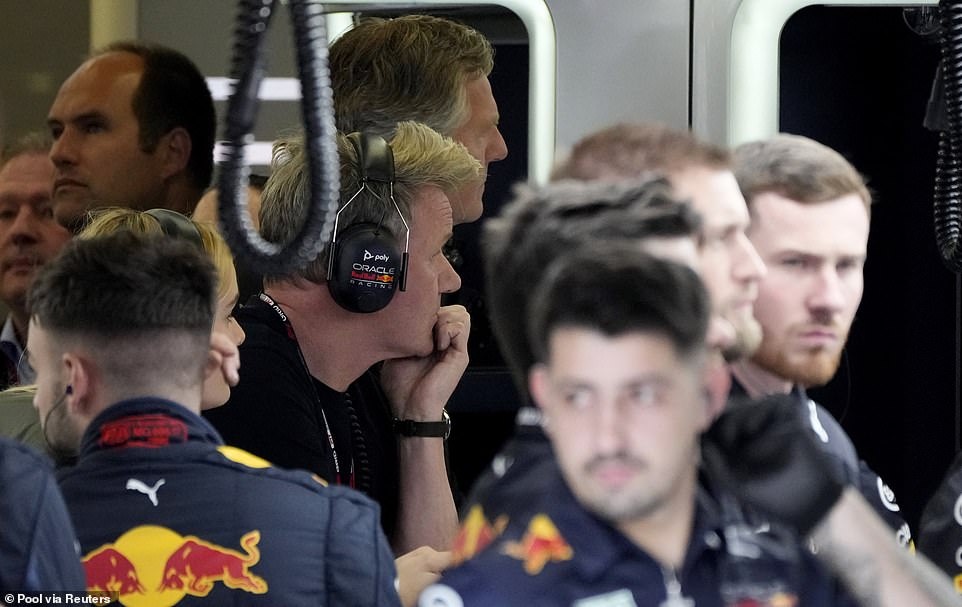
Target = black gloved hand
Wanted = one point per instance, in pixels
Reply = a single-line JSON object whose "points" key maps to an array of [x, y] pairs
{"points": [[764, 453]]}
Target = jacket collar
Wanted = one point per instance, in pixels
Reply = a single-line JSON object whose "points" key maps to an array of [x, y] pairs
{"points": [[599, 547], [146, 422], [737, 390]]}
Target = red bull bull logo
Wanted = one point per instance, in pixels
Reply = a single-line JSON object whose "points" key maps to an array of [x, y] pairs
{"points": [[111, 571], [151, 566], [540, 545], [198, 564], [476, 533], [372, 280]]}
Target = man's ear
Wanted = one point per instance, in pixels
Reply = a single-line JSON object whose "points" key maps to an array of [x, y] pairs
{"points": [[538, 385], [175, 147], [81, 383]]}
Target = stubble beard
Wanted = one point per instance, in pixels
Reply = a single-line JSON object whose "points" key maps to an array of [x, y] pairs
{"points": [[748, 339], [809, 368]]}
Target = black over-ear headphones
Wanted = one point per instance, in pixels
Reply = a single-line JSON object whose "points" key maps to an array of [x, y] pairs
{"points": [[366, 264], [176, 225]]}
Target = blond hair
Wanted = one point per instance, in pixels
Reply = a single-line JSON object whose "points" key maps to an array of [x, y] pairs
{"points": [[422, 157], [116, 219]]}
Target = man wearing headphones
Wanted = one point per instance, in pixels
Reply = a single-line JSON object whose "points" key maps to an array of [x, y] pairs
{"points": [[164, 511], [308, 397], [422, 68], [415, 67]]}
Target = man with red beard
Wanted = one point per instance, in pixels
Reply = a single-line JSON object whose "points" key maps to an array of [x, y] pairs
{"points": [[809, 223]]}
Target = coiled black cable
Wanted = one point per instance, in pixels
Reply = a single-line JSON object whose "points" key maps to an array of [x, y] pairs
{"points": [[359, 449], [317, 108], [948, 178]]}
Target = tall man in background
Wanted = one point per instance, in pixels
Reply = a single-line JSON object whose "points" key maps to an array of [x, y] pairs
{"points": [[133, 126], [422, 68]]}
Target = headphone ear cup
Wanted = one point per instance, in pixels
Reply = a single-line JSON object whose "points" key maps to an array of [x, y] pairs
{"points": [[366, 268]]}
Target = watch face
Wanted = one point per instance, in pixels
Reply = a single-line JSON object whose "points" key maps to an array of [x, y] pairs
{"points": [[446, 420]]}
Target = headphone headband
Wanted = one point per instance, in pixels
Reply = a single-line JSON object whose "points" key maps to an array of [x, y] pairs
{"points": [[375, 158]]}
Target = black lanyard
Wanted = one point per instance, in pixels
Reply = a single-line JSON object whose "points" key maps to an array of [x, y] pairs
{"points": [[310, 378]]}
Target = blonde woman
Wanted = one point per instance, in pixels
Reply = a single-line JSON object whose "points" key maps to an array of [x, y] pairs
{"points": [[162, 221], [18, 417]]}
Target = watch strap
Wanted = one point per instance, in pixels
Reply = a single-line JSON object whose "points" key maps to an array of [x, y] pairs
{"points": [[409, 427]]}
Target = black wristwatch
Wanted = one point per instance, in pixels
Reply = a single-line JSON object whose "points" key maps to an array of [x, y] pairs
{"points": [[409, 427]]}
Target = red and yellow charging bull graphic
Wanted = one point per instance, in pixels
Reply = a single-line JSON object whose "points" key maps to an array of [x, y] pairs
{"points": [[476, 533], [151, 566], [540, 545]]}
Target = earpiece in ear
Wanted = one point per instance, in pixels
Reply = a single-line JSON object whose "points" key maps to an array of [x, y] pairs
{"points": [[69, 389]]}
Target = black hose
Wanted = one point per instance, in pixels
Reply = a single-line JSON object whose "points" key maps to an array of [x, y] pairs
{"points": [[317, 108], [948, 178]]}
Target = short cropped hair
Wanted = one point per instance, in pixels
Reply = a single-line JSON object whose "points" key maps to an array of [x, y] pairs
{"points": [[797, 168], [173, 93], [32, 143], [616, 289], [422, 157], [385, 71], [628, 150], [114, 219], [540, 224], [144, 306]]}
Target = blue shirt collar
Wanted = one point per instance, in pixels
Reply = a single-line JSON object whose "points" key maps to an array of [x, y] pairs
{"points": [[12, 348]]}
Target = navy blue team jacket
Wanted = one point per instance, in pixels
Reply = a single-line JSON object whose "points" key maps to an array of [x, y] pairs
{"points": [[518, 474], [563, 555], [166, 514], [839, 447], [37, 551]]}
